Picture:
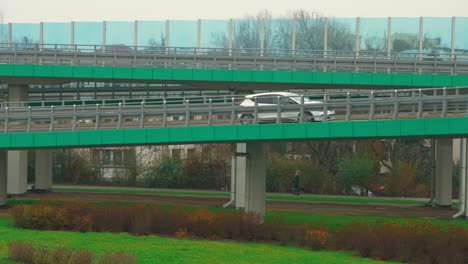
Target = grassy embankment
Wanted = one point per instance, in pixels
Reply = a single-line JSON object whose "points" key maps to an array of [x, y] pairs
{"points": [[153, 249]]}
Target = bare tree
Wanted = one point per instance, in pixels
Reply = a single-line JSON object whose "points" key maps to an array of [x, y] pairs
{"points": [[310, 28]]}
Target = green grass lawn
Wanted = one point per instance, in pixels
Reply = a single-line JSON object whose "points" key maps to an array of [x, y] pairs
{"points": [[337, 221], [346, 199], [153, 249]]}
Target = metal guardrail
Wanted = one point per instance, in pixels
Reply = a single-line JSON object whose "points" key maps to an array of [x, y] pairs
{"points": [[372, 105], [222, 58]]}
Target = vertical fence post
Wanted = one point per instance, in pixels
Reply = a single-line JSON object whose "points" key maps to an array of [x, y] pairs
{"points": [[187, 112], [164, 124], [453, 38], [142, 114], [230, 36], [389, 37], [348, 106], [135, 35], [210, 112], [444, 103], [293, 33], [421, 36], [10, 35], [41, 36], [358, 39], [72, 35], [104, 33], [167, 36], [119, 121], [29, 119], [302, 111], [51, 127], [5, 129], [233, 111], [325, 36], [372, 106], [395, 105], [255, 121], [420, 104], [74, 118], [97, 117]]}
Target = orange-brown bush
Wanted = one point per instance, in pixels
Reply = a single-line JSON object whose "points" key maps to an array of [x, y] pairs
{"points": [[414, 242], [408, 242], [30, 254]]}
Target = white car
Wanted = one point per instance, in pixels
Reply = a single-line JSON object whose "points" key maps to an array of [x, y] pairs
{"points": [[290, 112]]}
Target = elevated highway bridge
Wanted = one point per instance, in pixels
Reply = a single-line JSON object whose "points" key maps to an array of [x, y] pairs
{"points": [[229, 68], [422, 111]]}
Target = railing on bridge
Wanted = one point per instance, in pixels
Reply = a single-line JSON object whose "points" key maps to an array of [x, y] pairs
{"points": [[252, 59], [199, 111]]}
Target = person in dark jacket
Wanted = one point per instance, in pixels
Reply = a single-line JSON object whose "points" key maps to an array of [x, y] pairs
{"points": [[296, 188]]}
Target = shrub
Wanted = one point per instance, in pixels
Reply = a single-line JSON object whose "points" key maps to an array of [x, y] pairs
{"points": [[30, 254], [168, 172], [359, 171], [408, 242], [403, 180], [317, 238]]}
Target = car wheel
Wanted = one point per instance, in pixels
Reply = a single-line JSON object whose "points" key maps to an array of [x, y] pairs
{"points": [[308, 117], [247, 119]]}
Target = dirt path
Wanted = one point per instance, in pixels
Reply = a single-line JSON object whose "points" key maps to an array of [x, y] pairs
{"points": [[271, 205]]}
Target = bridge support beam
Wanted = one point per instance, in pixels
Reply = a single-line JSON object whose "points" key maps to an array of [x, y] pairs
{"points": [[256, 178], [240, 174], [17, 171], [3, 177], [250, 177], [17, 159], [443, 172], [463, 194], [43, 171]]}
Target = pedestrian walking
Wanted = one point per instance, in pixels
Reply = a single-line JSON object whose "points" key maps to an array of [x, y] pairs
{"points": [[296, 188]]}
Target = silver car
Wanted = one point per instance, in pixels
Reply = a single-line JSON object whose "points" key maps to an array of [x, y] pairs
{"points": [[290, 112]]}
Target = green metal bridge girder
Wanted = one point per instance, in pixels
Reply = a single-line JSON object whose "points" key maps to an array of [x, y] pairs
{"points": [[434, 127], [214, 75]]}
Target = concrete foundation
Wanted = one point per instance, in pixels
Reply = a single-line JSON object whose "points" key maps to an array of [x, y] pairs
{"points": [[3, 177], [43, 181], [443, 172]]}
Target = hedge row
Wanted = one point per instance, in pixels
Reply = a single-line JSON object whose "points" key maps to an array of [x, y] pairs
{"points": [[408, 242], [28, 253]]}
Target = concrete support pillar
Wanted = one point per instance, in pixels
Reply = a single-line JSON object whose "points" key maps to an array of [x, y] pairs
{"points": [[17, 94], [463, 194], [17, 171], [17, 159], [464, 178], [3, 177], [256, 178], [43, 171], [443, 172], [464, 174], [240, 174]]}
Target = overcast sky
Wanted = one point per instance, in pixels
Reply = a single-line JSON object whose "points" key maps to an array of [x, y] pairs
{"points": [[121, 10]]}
